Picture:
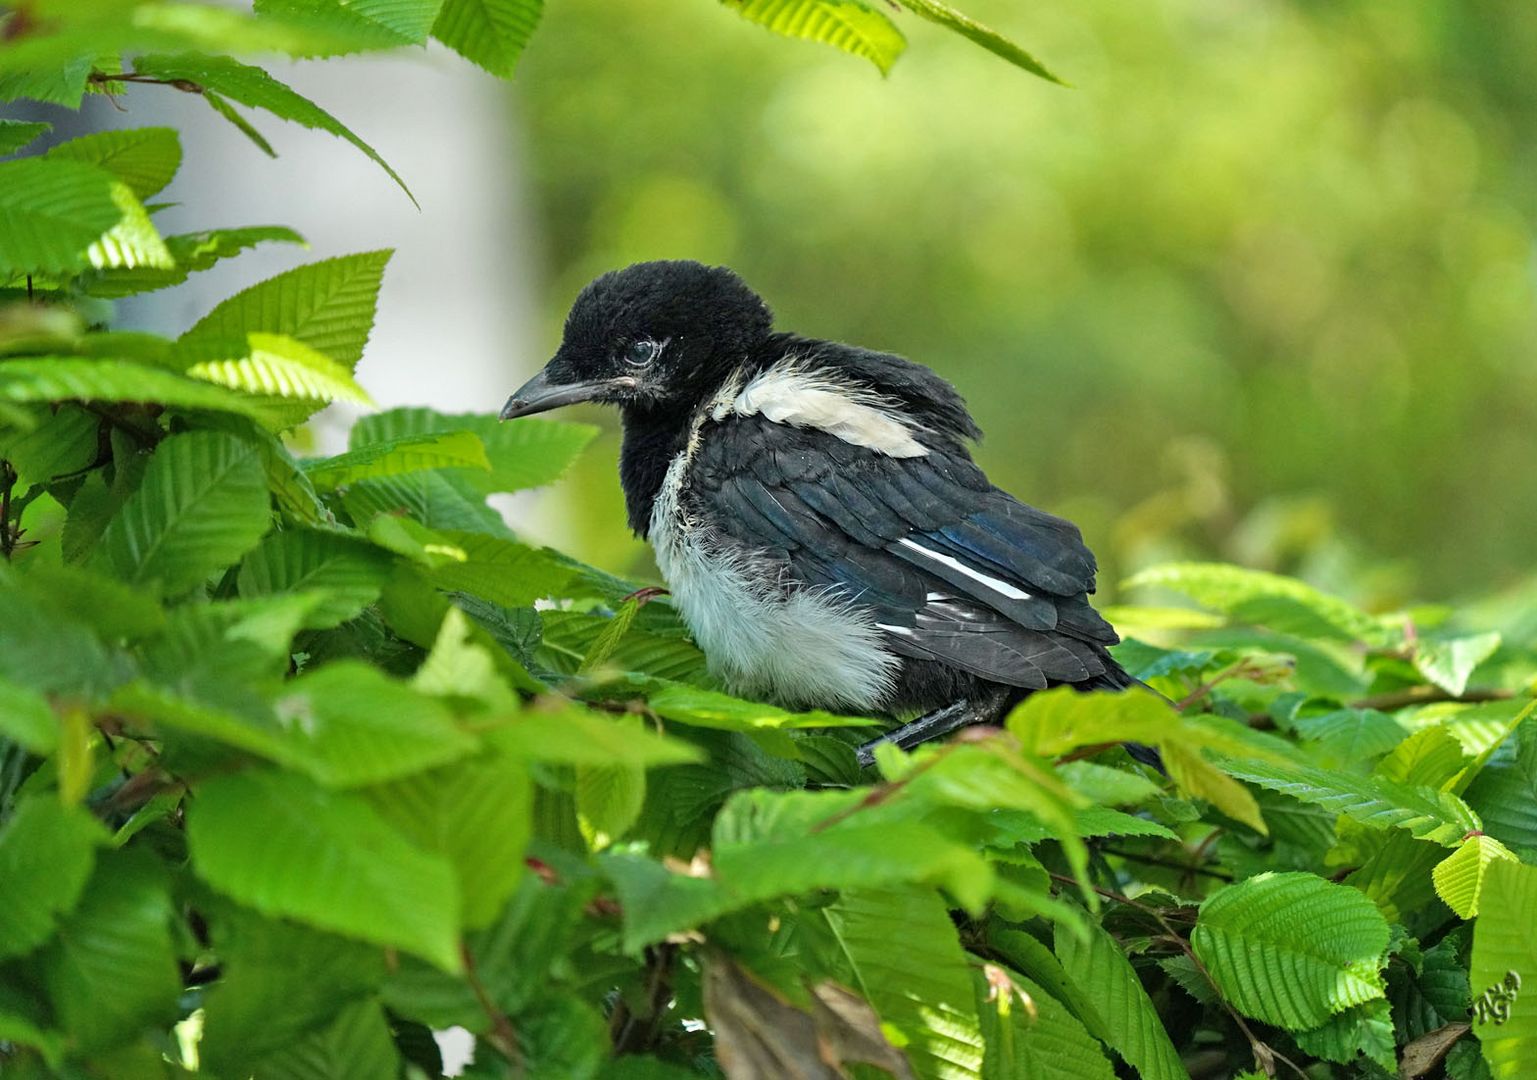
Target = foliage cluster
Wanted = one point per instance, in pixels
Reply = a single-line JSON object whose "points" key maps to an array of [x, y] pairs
{"points": [[304, 759]]}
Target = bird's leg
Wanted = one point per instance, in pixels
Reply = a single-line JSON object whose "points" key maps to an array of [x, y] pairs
{"points": [[979, 709]]}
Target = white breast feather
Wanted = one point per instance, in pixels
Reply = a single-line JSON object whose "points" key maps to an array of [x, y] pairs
{"points": [[786, 394], [799, 647]]}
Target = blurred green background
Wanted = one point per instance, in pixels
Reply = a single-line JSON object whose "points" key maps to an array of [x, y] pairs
{"points": [[1259, 287]]}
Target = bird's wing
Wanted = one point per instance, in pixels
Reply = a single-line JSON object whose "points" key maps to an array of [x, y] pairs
{"points": [[952, 568]]}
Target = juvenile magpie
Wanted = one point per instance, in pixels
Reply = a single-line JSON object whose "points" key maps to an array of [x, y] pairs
{"points": [[816, 513]]}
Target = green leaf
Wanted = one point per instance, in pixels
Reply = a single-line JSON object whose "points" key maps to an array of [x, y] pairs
{"points": [[1281, 603], [524, 453], [47, 851], [287, 847], [17, 134], [576, 736], [503, 571], [280, 982], [349, 725], [1199, 778], [1449, 662], [854, 26], [143, 158], [1460, 877], [327, 305], [1364, 1029], [356, 1043], [65, 440], [405, 22], [477, 815], [609, 799], [969, 28], [111, 970], [1430, 757], [1028, 1034], [490, 33], [349, 572], [68, 378], [713, 709], [1505, 1019], [28, 719], [254, 88], [1427, 814], [203, 504], [191, 252], [1053, 722], [921, 990], [1098, 965], [50, 212], [1292, 949], [285, 367], [411, 453]]}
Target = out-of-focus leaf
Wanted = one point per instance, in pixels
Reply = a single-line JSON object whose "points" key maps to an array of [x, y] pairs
{"points": [[16, 134], [524, 453], [1449, 662], [284, 846], [854, 26], [47, 851], [454, 450], [937, 12]]}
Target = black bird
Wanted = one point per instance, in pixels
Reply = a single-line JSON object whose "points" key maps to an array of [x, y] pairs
{"points": [[816, 514]]}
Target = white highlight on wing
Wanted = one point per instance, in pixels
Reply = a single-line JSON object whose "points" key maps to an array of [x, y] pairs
{"points": [[785, 394], [996, 584]]}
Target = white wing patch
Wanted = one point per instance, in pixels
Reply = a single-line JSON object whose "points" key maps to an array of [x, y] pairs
{"points": [[996, 584], [785, 394]]}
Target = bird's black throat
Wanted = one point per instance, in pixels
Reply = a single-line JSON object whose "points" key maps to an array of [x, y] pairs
{"points": [[653, 436]]}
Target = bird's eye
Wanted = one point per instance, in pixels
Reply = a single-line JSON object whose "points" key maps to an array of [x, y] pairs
{"points": [[641, 352]]}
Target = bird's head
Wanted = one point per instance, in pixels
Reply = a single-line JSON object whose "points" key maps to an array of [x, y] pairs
{"points": [[653, 335]]}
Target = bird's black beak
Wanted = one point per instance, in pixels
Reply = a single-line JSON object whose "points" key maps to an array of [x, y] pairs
{"points": [[541, 394]]}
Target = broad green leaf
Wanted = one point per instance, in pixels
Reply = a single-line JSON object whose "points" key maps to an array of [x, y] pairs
{"points": [[1505, 1008], [1449, 662], [922, 990], [1266, 599], [285, 367], [356, 1042], [524, 453], [440, 499], [44, 649], [50, 212], [1349, 738], [327, 305], [191, 252], [490, 33], [1199, 778], [503, 571], [712, 709], [1099, 967], [47, 851], [404, 22], [1432, 993], [111, 970], [16, 134], [854, 26], [1430, 757], [1053, 722], [65, 440], [351, 573], [143, 158], [59, 84], [1371, 800], [1460, 877], [1396, 875], [576, 736], [477, 815], [133, 243], [463, 665], [284, 846], [351, 725], [943, 14], [203, 504], [1362, 1029], [28, 719], [254, 88], [570, 636], [1292, 949], [67, 378], [1504, 794], [411, 453], [609, 799], [280, 982], [1028, 1033]]}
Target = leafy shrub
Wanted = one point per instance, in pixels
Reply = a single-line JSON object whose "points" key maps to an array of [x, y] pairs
{"points": [[304, 759]]}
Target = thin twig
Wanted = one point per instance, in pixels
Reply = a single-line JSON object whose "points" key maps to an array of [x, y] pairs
{"points": [[7, 537], [1424, 695], [1207, 687], [1167, 864], [185, 85], [502, 1037]]}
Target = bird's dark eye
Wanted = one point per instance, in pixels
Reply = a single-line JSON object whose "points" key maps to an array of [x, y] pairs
{"points": [[641, 352]]}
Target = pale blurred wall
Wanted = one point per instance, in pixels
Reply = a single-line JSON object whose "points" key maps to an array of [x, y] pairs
{"points": [[454, 320]]}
